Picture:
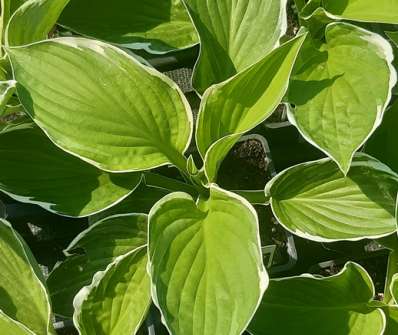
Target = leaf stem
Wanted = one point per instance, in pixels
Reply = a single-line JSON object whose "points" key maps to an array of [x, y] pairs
{"points": [[392, 269]]}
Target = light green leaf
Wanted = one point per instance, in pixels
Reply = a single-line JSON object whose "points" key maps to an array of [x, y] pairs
{"points": [[118, 298], [129, 116], [33, 21], [7, 89], [158, 26], [205, 263], [23, 293], [234, 35], [54, 179], [339, 102], [234, 107], [381, 11], [324, 306], [381, 144], [92, 251], [9, 326], [316, 201]]}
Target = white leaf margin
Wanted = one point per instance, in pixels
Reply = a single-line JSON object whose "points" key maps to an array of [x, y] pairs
{"points": [[262, 273], [384, 49], [39, 280], [98, 47], [376, 164], [83, 294], [284, 25]]}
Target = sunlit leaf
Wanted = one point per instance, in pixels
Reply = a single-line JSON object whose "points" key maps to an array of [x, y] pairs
{"points": [[122, 291], [338, 103], [316, 201], [129, 116], [234, 35], [205, 263]]}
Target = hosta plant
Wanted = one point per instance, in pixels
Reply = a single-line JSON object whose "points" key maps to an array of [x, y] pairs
{"points": [[88, 125]]}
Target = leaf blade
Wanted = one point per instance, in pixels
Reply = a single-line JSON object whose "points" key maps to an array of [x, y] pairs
{"points": [[180, 233]]}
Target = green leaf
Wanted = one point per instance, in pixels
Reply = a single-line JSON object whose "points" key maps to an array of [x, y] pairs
{"points": [[316, 201], [392, 320], [9, 326], [117, 300], [234, 35], [54, 179], [157, 26], [130, 117], [33, 21], [7, 89], [339, 102], [381, 11], [394, 288], [23, 293], [307, 305], [380, 145], [234, 107], [393, 35], [92, 251], [205, 263]]}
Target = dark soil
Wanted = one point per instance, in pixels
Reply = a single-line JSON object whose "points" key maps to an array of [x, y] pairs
{"points": [[245, 167]]}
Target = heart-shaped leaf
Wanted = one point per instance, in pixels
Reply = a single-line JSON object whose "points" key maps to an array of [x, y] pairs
{"points": [[381, 11], [234, 35], [24, 296], [92, 251], [55, 180], [205, 263], [332, 305], [122, 291], [338, 103], [33, 21], [316, 201], [234, 107], [129, 116], [157, 26]]}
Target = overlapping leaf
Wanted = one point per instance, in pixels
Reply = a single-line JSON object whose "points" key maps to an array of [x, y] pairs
{"points": [[205, 263], [23, 294], [92, 251], [122, 290], [338, 103], [239, 104], [34, 170], [234, 35], [33, 21], [316, 201], [330, 305], [100, 104], [157, 26]]}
